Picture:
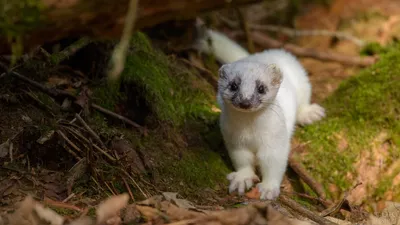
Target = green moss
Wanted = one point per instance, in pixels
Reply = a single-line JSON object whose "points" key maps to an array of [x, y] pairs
{"points": [[373, 48], [174, 93], [363, 107], [199, 168]]}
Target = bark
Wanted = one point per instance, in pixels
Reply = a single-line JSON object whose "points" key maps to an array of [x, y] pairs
{"points": [[98, 19]]}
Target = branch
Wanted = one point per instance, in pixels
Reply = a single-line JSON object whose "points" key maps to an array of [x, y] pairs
{"points": [[96, 19], [303, 174], [268, 42], [295, 33], [303, 211]]}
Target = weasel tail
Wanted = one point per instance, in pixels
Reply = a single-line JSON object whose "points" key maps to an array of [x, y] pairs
{"points": [[224, 49]]}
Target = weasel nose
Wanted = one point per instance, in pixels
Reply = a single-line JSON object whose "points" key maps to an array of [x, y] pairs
{"points": [[245, 104]]}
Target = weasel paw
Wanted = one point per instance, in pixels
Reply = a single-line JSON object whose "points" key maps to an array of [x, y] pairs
{"points": [[268, 191], [310, 113], [241, 180]]}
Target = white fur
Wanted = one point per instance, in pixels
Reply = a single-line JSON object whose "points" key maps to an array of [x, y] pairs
{"points": [[224, 49], [263, 137]]}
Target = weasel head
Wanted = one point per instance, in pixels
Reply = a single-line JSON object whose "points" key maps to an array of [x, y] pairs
{"points": [[249, 86]]}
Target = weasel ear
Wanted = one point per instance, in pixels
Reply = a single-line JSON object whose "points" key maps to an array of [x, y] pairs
{"points": [[222, 71], [276, 74]]}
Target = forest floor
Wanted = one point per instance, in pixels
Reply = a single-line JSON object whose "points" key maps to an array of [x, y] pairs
{"points": [[369, 20]]}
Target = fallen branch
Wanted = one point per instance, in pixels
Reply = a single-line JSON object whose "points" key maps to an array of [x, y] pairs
{"points": [[295, 32], [115, 115], [68, 51], [303, 174], [91, 132], [303, 211], [95, 19], [268, 42]]}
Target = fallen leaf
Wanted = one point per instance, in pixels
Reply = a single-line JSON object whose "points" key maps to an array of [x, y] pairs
{"points": [[26, 119], [4, 148], [181, 203], [47, 136], [111, 207], [253, 193], [131, 214]]}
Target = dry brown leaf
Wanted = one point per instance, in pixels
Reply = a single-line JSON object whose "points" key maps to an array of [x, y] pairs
{"points": [[181, 203], [82, 221], [111, 207], [131, 214], [253, 193], [4, 148], [176, 213], [373, 220]]}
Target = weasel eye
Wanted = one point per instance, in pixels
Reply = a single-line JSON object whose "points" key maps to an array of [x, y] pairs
{"points": [[261, 89], [233, 87]]}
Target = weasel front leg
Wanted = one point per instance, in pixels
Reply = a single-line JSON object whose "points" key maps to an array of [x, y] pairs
{"points": [[272, 158], [244, 176]]}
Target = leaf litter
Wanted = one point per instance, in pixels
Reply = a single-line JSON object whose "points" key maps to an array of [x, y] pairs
{"points": [[167, 208]]}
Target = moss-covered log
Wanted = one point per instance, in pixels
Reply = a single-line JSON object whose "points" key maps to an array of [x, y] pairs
{"points": [[29, 23]]}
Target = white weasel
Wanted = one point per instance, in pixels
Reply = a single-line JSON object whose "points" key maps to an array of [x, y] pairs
{"points": [[262, 96]]}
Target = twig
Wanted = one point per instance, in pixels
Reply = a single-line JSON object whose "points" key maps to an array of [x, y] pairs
{"points": [[129, 189], [119, 54], [268, 42], [245, 26], [293, 33], [303, 174], [61, 205], [68, 198], [113, 114], [91, 132], [41, 104], [109, 188], [68, 51], [324, 202], [134, 182], [71, 152], [68, 141], [335, 207], [303, 211], [207, 75], [104, 152]]}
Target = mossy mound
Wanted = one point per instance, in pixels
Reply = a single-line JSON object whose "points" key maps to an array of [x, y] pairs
{"points": [[359, 140], [182, 145]]}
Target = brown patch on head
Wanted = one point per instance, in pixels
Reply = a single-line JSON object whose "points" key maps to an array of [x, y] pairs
{"points": [[276, 74]]}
